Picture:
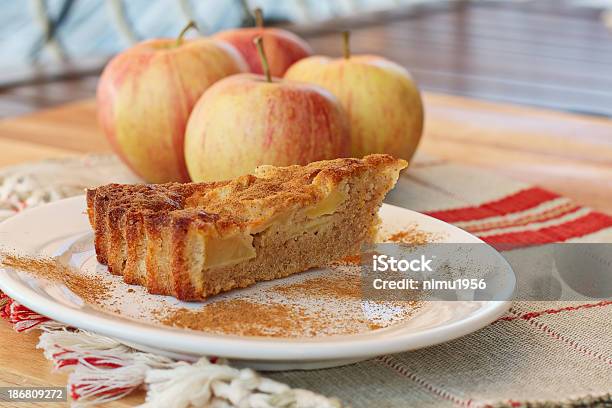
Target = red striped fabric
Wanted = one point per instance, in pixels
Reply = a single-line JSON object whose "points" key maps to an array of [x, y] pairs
{"points": [[588, 224], [524, 221], [538, 313], [520, 201]]}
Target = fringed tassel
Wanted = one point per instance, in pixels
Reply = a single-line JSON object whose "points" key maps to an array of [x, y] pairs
{"points": [[104, 369], [22, 318], [209, 385], [107, 370], [91, 385], [69, 348], [99, 364]]}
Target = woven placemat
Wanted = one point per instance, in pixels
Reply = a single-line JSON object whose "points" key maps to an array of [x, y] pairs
{"points": [[31, 184], [539, 354]]}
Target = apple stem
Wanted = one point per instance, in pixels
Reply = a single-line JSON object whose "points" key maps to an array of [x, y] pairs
{"points": [[259, 21], [190, 24], [262, 56], [346, 36]]}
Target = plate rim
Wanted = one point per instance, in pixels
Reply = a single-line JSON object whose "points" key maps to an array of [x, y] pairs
{"points": [[245, 347]]}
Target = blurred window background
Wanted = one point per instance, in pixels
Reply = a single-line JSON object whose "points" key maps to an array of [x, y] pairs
{"points": [[550, 53], [83, 28]]}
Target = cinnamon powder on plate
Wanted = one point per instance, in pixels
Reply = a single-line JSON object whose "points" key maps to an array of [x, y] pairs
{"points": [[90, 290], [244, 317], [346, 286], [411, 236], [320, 306], [239, 317]]}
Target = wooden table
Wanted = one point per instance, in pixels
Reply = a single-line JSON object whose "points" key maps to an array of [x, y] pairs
{"points": [[569, 154]]}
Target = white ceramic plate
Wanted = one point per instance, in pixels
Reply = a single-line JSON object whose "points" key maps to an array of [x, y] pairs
{"points": [[53, 229]]}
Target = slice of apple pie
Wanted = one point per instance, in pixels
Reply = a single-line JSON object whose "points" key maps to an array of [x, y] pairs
{"points": [[195, 240]]}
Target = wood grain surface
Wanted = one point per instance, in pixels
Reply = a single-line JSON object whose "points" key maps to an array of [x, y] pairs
{"points": [[566, 153]]}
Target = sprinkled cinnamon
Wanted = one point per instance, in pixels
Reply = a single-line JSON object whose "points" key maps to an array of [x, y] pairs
{"points": [[249, 318], [237, 316], [90, 290], [411, 236], [320, 306], [338, 287]]}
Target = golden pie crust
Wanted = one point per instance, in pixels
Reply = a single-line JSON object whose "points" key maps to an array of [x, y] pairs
{"points": [[195, 240]]}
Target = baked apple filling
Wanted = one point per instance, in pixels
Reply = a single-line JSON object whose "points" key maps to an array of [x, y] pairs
{"points": [[228, 251], [327, 205]]}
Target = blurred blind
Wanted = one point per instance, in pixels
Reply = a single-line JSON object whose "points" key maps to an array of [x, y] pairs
{"points": [[42, 30]]}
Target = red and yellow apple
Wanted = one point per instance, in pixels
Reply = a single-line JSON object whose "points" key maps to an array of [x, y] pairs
{"points": [[145, 96], [248, 120], [381, 99], [283, 48]]}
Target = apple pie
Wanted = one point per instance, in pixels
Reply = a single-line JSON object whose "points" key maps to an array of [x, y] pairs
{"points": [[195, 240]]}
